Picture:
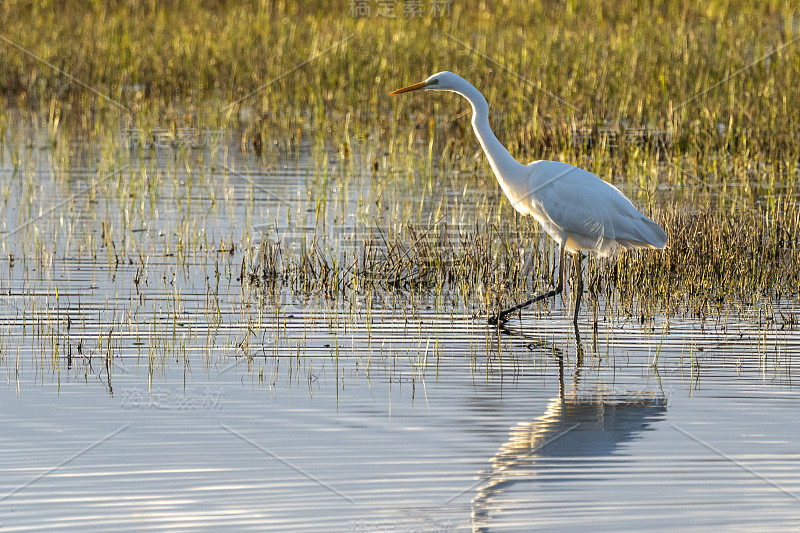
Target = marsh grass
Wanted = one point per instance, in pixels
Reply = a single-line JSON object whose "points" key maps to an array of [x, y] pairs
{"points": [[687, 108], [716, 261], [660, 65]]}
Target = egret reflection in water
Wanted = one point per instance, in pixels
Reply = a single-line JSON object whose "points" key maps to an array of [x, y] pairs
{"points": [[578, 424]]}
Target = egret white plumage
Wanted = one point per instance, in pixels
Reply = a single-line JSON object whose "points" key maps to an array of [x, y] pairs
{"points": [[580, 211]]}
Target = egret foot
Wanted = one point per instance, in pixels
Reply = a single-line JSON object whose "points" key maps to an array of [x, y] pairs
{"points": [[500, 318]]}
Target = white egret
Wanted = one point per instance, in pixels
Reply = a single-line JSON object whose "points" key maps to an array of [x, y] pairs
{"points": [[575, 207]]}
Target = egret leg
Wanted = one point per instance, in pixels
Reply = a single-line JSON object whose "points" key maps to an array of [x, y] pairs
{"points": [[578, 347], [501, 317], [578, 260]]}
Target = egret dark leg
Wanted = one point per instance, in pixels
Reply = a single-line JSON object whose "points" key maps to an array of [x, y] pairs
{"points": [[577, 259], [501, 317], [578, 347]]}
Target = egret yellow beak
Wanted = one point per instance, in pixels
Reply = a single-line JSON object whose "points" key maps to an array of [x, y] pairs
{"points": [[416, 86]]}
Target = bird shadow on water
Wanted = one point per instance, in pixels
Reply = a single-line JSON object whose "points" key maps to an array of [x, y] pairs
{"points": [[586, 423]]}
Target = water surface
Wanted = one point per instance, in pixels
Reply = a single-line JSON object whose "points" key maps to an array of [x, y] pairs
{"points": [[148, 388]]}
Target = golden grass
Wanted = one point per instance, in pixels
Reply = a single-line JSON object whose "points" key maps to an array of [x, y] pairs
{"points": [[689, 108]]}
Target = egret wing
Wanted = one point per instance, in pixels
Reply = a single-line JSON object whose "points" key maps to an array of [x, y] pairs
{"points": [[590, 214]]}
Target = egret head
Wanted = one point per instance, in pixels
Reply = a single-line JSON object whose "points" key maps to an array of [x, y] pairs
{"points": [[441, 81]]}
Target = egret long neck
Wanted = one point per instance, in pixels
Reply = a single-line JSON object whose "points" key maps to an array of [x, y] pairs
{"points": [[505, 167]]}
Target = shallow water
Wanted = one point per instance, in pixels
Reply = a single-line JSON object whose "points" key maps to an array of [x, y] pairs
{"points": [[146, 389]]}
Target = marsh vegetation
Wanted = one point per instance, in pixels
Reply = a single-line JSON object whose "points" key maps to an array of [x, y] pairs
{"points": [[686, 108], [213, 218], [173, 186]]}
